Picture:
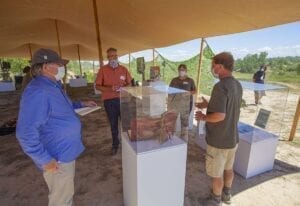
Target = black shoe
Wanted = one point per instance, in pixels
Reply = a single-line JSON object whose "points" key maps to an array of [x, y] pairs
{"points": [[226, 195], [226, 198], [114, 151], [212, 200]]}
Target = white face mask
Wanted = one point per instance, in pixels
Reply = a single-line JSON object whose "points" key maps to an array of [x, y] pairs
{"points": [[114, 63], [182, 73], [214, 74], [60, 73]]}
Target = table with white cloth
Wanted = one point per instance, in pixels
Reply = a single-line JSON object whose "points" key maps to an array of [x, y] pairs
{"points": [[80, 82], [7, 86]]}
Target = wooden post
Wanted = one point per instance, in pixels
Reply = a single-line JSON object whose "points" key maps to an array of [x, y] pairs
{"points": [[94, 67], [98, 33], [153, 55], [30, 51], [60, 53], [295, 122], [78, 52], [199, 67], [129, 64], [57, 37], [94, 71]]}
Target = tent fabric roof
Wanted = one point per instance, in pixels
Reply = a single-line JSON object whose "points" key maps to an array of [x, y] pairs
{"points": [[130, 25]]}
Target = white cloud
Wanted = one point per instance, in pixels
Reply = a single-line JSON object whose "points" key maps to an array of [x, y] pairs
{"points": [[279, 51], [266, 48]]}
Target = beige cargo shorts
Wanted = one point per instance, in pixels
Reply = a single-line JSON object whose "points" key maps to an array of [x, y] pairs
{"points": [[218, 160]]}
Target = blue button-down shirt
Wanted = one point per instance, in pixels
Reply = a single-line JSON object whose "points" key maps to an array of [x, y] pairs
{"points": [[48, 128]]}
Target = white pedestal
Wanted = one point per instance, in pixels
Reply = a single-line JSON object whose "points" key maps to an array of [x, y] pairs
{"points": [[7, 86], [80, 82], [155, 177], [256, 152]]}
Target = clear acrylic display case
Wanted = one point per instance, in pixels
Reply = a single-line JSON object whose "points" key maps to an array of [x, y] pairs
{"points": [[268, 114], [149, 115]]}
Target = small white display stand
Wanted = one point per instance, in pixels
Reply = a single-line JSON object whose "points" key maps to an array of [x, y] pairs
{"points": [[7, 86], [153, 177], [80, 82], [256, 150]]}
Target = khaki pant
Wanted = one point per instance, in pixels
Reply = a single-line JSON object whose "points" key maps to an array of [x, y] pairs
{"points": [[218, 160], [61, 185]]}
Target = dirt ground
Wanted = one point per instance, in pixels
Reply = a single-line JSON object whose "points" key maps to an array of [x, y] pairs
{"points": [[98, 178]]}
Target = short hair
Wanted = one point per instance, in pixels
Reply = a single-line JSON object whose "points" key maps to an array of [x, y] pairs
{"points": [[26, 69], [182, 65], [111, 49], [225, 59]]}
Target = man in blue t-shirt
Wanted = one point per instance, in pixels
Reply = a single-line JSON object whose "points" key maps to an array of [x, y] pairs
{"points": [[259, 78]]}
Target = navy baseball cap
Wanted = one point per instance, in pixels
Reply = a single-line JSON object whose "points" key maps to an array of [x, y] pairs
{"points": [[47, 56]]}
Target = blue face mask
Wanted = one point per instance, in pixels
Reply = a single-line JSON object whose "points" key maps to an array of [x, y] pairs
{"points": [[114, 63]]}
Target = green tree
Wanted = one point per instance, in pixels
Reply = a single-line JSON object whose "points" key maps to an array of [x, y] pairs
{"points": [[16, 64], [251, 62]]}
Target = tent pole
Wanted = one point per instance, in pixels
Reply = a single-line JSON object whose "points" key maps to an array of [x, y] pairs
{"points": [[295, 122], [57, 37], [30, 51], [93, 67], [98, 33], [199, 67], [78, 52], [153, 55], [94, 70], [129, 64], [59, 52]]}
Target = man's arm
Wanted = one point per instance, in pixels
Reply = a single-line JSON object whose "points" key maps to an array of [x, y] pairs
{"points": [[216, 111], [203, 104], [211, 117], [99, 82], [33, 114]]}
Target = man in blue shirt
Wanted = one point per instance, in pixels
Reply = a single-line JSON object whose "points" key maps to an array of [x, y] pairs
{"points": [[259, 77], [48, 129]]}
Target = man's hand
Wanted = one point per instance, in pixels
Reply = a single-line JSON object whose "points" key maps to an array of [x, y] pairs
{"points": [[88, 103], [200, 116], [52, 166], [203, 104], [115, 88]]}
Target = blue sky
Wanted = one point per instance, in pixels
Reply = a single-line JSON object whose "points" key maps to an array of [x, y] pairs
{"points": [[283, 40]]}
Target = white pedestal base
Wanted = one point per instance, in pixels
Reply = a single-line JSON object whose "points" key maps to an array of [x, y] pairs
{"points": [[256, 151], [154, 178]]}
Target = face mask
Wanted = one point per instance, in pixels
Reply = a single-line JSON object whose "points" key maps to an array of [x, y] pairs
{"points": [[214, 74], [182, 73], [60, 73], [114, 63]]}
